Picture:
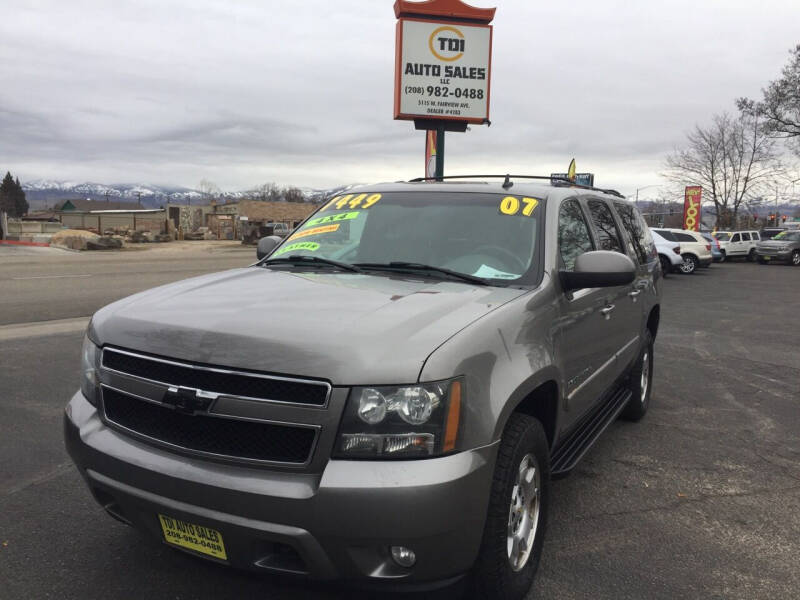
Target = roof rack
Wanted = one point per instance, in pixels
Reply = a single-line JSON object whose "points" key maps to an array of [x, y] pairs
{"points": [[558, 181]]}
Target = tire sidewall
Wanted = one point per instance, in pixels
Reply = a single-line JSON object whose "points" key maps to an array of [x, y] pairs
{"points": [[689, 259], [666, 266], [493, 573], [637, 407]]}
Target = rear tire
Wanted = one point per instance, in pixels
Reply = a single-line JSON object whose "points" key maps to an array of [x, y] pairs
{"points": [[640, 383], [517, 511], [722, 252], [666, 266], [795, 260], [689, 265]]}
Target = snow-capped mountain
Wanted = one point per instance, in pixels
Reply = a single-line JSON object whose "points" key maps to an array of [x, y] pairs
{"points": [[42, 193]]}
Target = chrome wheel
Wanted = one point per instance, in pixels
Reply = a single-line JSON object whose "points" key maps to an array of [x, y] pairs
{"points": [[645, 381], [796, 257], [523, 515], [688, 266]]}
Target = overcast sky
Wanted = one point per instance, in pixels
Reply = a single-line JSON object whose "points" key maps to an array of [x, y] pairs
{"points": [[300, 92]]}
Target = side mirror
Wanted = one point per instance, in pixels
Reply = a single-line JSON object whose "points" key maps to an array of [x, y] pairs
{"points": [[599, 268], [267, 245]]}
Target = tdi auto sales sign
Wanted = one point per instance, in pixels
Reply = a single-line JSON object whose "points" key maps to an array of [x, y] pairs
{"points": [[442, 70]]}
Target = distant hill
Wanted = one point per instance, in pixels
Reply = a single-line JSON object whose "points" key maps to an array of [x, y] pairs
{"points": [[43, 193]]}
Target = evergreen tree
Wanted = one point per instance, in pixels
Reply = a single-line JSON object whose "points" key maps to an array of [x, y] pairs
{"points": [[12, 197], [20, 202], [7, 195]]}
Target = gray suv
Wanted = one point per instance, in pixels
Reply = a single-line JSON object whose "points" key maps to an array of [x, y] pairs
{"points": [[385, 396]]}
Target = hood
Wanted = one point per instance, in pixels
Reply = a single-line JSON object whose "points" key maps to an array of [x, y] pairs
{"points": [[776, 244], [348, 328]]}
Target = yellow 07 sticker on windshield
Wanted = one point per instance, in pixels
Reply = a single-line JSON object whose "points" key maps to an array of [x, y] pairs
{"points": [[352, 201], [511, 205]]}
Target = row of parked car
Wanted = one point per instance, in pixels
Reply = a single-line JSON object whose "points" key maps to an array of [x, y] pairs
{"points": [[685, 251]]}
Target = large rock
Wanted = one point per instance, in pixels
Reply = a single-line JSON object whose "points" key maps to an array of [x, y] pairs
{"points": [[74, 239], [104, 243]]}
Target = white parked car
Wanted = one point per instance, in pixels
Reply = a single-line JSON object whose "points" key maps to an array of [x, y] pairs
{"points": [[738, 243], [695, 249], [669, 252]]}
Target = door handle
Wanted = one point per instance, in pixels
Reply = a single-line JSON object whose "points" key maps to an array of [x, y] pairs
{"points": [[634, 294], [606, 312]]}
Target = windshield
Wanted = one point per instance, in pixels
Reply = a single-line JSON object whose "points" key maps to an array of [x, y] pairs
{"points": [[486, 235], [788, 236], [722, 236]]}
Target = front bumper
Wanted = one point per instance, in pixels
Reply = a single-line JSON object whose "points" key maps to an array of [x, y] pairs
{"points": [[773, 254], [337, 524]]}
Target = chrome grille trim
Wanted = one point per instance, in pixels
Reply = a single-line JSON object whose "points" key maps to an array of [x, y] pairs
{"points": [[222, 371]]}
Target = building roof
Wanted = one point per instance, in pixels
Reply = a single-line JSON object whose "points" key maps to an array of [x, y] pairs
{"points": [[86, 205]]}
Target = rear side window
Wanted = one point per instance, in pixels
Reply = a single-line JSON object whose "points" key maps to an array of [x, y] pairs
{"points": [[683, 237], [756, 236], [667, 235], [608, 237], [573, 234], [745, 237], [642, 246]]}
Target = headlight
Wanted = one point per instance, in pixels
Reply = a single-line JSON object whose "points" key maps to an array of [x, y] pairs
{"points": [[90, 380], [401, 421]]}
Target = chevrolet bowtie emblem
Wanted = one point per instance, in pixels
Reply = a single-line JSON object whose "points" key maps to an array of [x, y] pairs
{"points": [[188, 400]]}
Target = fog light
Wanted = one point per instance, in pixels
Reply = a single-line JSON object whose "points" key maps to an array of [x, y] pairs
{"points": [[403, 556]]}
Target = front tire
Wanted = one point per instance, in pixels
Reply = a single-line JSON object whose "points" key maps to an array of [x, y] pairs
{"points": [[640, 383], [722, 252], [689, 265], [795, 260], [515, 523], [751, 256]]}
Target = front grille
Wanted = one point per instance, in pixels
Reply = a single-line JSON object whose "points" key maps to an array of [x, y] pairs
{"points": [[212, 435], [217, 379]]}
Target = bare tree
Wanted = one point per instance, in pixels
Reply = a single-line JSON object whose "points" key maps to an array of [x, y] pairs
{"points": [[209, 190], [733, 159], [267, 192], [293, 194], [780, 107]]}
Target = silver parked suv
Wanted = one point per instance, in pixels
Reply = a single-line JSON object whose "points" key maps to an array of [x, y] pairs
{"points": [[385, 396]]}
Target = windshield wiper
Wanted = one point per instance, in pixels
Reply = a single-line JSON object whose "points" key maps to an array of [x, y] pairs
{"points": [[301, 259], [412, 266]]}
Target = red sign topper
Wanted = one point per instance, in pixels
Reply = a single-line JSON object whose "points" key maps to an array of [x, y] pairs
{"points": [[442, 61]]}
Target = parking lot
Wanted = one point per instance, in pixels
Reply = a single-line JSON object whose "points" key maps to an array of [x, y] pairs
{"points": [[699, 500]]}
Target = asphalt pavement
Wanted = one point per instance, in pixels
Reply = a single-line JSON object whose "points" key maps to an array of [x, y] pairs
{"points": [[40, 284], [701, 499]]}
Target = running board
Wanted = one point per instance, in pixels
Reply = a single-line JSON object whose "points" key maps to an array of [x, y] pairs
{"points": [[578, 442]]}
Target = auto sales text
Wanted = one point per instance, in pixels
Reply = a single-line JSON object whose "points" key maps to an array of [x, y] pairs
{"points": [[449, 71]]}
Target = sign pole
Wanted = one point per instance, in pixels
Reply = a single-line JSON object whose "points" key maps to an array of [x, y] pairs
{"points": [[439, 154]]}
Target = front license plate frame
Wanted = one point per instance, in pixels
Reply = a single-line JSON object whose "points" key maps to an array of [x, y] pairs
{"points": [[191, 536]]}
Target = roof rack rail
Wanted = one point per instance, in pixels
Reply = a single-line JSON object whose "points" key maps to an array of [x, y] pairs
{"points": [[508, 183]]}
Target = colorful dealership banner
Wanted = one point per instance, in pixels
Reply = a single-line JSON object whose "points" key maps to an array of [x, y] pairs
{"points": [[430, 153], [691, 207]]}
